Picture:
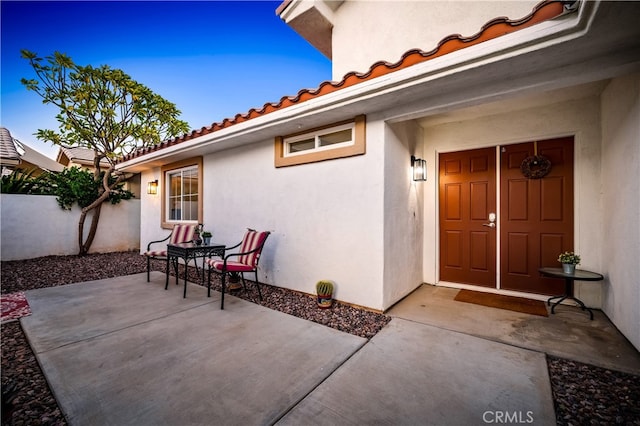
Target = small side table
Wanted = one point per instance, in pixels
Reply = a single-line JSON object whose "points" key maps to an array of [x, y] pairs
{"points": [[578, 275], [186, 252]]}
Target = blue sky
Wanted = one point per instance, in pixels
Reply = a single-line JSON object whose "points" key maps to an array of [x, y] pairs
{"points": [[213, 59]]}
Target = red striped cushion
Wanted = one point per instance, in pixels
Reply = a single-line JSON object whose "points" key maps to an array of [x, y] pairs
{"points": [[182, 233], [154, 253], [251, 241], [231, 265]]}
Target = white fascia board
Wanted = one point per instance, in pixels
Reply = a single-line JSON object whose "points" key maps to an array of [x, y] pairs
{"points": [[297, 7], [536, 37]]}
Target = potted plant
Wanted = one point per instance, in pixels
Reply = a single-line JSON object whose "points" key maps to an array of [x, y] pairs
{"points": [[206, 236], [196, 235], [569, 261], [324, 290]]}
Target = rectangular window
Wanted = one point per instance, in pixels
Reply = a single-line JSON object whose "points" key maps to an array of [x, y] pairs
{"points": [[320, 140], [183, 194], [339, 140], [182, 185]]}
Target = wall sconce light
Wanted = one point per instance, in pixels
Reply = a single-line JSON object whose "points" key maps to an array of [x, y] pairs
{"points": [[418, 169], [152, 187]]}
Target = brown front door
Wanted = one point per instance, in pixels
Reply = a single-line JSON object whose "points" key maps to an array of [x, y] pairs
{"points": [[467, 197], [536, 221]]}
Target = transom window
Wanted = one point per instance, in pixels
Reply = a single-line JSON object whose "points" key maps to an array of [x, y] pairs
{"points": [[182, 194], [338, 140], [321, 140]]}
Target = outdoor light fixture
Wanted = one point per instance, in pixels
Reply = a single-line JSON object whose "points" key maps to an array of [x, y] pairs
{"points": [[418, 168], [152, 187]]}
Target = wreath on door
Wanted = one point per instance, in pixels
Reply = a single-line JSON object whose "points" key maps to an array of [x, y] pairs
{"points": [[535, 166]]}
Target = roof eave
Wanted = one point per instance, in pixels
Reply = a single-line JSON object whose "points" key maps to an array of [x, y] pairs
{"points": [[428, 72], [431, 79]]}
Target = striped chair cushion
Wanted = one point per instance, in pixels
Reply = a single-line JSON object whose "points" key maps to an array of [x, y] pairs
{"points": [[251, 241], [247, 262], [182, 233], [231, 265]]}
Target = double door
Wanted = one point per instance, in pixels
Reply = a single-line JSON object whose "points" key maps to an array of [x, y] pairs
{"points": [[494, 219]]}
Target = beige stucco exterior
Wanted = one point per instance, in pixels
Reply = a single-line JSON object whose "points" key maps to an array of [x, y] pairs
{"points": [[361, 221], [620, 204]]}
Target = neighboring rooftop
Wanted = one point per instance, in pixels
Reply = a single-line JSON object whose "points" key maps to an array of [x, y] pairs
{"points": [[8, 153], [19, 155], [78, 155]]}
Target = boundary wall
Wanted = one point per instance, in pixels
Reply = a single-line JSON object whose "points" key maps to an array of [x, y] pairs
{"points": [[35, 226]]}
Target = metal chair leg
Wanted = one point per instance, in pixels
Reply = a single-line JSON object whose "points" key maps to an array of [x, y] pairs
{"points": [[258, 285], [244, 284], [148, 267], [224, 273]]}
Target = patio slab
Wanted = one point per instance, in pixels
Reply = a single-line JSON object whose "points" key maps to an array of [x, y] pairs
{"points": [[74, 312], [567, 334], [412, 373], [124, 351]]}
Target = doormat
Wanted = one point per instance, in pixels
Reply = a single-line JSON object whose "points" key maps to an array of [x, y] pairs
{"points": [[14, 306], [510, 303]]}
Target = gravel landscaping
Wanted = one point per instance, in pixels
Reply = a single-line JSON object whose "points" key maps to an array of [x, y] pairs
{"points": [[583, 394]]}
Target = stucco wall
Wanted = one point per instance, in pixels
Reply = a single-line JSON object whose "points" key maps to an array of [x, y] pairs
{"points": [[403, 208], [420, 24], [581, 118], [621, 204], [35, 226], [150, 208], [325, 218]]}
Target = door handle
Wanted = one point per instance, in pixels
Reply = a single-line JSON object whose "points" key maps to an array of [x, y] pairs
{"points": [[492, 221]]}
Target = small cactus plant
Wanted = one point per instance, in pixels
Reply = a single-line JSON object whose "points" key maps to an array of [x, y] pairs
{"points": [[324, 289]]}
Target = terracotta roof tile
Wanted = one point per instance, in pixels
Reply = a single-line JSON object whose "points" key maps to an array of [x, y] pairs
{"points": [[497, 27]]}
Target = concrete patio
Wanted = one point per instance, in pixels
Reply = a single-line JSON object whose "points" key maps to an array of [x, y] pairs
{"points": [[124, 351]]}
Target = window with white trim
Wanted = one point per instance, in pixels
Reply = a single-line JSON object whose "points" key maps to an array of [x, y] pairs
{"points": [[339, 140], [331, 138], [182, 192]]}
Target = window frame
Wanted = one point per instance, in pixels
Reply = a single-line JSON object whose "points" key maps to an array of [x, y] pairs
{"points": [[196, 163], [357, 146]]}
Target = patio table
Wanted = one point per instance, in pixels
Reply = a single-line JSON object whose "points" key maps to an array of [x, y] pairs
{"points": [[579, 275], [188, 251]]}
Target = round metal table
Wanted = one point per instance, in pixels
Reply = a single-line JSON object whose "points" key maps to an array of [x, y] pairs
{"points": [[578, 275]]}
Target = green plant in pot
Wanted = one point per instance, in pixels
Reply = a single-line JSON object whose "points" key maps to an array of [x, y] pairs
{"points": [[206, 236], [569, 261], [324, 290]]}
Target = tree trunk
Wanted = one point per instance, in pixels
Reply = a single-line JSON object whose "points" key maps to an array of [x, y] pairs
{"points": [[86, 245], [97, 207]]}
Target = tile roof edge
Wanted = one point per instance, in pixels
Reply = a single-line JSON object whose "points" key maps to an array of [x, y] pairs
{"points": [[546, 10], [283, 6]]}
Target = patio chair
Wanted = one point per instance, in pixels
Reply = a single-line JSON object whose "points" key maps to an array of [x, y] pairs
{"points": [[181, 233], [245, 260]]}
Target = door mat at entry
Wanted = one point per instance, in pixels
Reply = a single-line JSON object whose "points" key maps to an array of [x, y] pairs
{"points": [[510, 303]]}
